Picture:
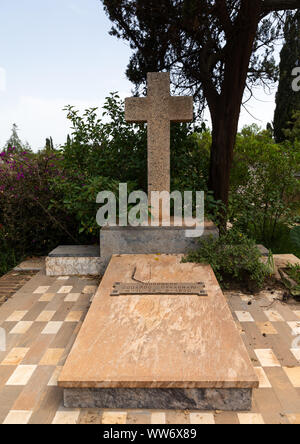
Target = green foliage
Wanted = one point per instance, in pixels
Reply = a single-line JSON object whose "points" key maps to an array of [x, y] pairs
{"points": [[29, 224], [49, 198], [233, 257], [292, 133], [294, 272], [190, 155], [270, 263], [8, 258], [191, 39], [107, 146], [105, 151], [282, 243], [79, 199], [110, 147], [295, 237], [15, 143], [264, 189], [49, 144]]}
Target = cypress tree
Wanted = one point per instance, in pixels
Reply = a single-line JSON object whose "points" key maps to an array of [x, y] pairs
{"points": [[288, 100], [15, 142]]}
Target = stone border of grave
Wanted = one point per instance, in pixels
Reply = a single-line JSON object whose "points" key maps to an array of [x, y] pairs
{"points": [[73, 260], [86, 260]]}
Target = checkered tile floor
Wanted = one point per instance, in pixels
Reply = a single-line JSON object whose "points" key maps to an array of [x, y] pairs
{"points": [[42, 320]]}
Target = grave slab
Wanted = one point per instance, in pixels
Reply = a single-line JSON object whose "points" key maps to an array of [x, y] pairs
{"points": [[158, 351]]}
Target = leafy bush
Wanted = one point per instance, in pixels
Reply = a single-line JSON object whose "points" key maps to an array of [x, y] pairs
{"points": [[233, 257], [105, 151], [79, 199], [50, 197], [8, 258], [108, 146], [190, 157], [30, 224], [294, 272], [295, 237], [264, 189], [283, 243]]}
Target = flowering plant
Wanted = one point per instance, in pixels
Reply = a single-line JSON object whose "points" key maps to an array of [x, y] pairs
{"points": [[30, 222]]}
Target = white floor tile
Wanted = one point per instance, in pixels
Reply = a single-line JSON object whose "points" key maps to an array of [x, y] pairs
{"points": [[16, 316], [263, 379], [45, 316], [66, 416], [89, 289], [295, 327], [41, 290], [72, 297], [52, 328], [65, 290], [267, 358], [296, 353], [21, 328], [274, 316], [244, 316], [114, 418], [21, 375], [250, 418], [158, 418], [18, 417]]}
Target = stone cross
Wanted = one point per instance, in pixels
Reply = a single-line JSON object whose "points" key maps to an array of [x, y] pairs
{"points": [[158, 109]]}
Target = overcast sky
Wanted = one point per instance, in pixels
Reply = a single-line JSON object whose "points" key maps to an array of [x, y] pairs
{"points": [[59, 52]]}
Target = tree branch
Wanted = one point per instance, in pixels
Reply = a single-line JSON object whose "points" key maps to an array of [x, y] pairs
{"points": [[279, 5], [223, 15]]}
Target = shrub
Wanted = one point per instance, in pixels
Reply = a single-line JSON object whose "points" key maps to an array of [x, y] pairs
{"points": [[79, 200], [233, 257], [190, 156], [30, 224], [107, 151], [8, 257], [106, 146], [295, 237], [263, 185], [294, 272]]}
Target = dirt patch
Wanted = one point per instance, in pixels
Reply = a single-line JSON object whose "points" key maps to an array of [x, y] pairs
{"points": [[11, 282]]}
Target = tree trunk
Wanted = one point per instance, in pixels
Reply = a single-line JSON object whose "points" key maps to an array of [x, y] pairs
{"points": [[225, 111], [223, 140]]}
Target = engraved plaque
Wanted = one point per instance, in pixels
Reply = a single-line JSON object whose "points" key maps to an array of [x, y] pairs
{"points": [[155, 288]]}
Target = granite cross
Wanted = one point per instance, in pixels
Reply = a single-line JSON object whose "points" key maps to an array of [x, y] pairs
{"points": [[158, 109]]}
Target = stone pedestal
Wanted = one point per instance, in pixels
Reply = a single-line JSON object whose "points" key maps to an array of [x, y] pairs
{"points": [[71, 260], [151, 240], [160, 399], [158, 351]]}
